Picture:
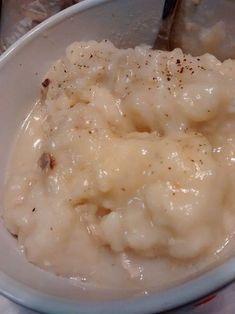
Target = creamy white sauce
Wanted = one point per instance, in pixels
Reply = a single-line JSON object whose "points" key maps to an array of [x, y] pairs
{"points": [[123, 173]]}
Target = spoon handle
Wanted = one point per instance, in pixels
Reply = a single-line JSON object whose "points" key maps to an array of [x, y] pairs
{"points": [[169, 12]]}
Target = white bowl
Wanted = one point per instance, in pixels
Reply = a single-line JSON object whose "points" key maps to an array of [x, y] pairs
{"points": [[22, 67]]}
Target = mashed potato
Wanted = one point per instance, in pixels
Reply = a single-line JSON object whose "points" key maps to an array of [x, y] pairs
{"points": [[126, 166]]}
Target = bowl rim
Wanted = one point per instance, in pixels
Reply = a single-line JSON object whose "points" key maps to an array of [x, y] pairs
{"points": [[169, 299]]}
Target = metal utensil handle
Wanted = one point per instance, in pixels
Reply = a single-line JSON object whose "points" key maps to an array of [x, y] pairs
{"points": [[163, 39]]}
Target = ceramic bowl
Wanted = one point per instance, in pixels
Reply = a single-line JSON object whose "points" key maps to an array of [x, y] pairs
{"points": [[126, 23]]}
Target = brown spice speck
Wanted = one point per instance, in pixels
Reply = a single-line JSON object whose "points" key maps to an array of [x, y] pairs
{"points": [[102, 211], [46, 161], [46, 82]]}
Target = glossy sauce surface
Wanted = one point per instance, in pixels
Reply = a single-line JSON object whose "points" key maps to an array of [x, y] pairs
{"points": [[122, 175]]}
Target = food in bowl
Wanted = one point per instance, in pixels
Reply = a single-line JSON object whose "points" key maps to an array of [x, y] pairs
{"points": [[122, 175]]}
